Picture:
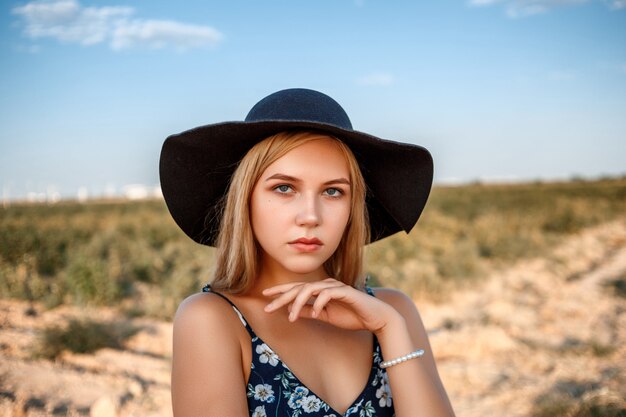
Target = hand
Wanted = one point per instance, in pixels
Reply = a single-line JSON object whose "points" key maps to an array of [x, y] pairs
{"points": [[333, 302]]}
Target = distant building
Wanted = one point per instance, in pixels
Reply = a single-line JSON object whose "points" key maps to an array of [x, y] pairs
{"points": [[82, 194], [136, 191]]}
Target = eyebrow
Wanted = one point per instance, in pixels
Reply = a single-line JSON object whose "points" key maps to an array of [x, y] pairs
{"points": [[294, 179]]}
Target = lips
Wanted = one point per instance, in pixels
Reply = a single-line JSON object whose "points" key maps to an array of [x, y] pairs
{"points": [[308, 241], [304, 244]]}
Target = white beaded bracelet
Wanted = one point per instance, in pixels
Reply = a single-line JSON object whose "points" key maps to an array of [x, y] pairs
{"points": [[412, 355]]}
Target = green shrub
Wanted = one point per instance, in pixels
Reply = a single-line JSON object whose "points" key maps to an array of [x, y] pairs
{"points": [[82, 336], [119, 253], [87, 282], [553, 405], [582, 401], [467, 230], [617, 287], [564, 406]]}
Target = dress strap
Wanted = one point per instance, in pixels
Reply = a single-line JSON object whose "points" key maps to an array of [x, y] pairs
{"points": [[207, 288], [370, 291]]}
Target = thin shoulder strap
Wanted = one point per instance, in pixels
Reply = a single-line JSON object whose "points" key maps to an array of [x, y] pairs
{"points": [[370, 291], [207, 288]]}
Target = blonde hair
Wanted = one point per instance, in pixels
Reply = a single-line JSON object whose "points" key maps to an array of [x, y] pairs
{"points": [[237, 263]]}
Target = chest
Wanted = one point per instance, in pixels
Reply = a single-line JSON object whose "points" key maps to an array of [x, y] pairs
{"points": [[307, 357]]}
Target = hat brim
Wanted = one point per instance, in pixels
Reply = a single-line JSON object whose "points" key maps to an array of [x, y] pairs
{"points": [[196, 166]]}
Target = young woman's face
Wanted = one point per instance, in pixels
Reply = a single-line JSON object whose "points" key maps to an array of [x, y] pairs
{"points": [[300, 208]]}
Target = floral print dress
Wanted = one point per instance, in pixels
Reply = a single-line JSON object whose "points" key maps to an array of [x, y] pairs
{"points": [[274, 391]]}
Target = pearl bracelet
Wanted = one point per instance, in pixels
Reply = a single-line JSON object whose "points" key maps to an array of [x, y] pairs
{"points": [[412, 355]]}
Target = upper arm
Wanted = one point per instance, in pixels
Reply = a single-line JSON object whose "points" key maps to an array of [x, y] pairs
{"points": [[207, 377], [406, 307]]}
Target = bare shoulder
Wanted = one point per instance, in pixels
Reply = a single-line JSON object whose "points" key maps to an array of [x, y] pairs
{"points": [[207, 358], [201, 310], [398, 300], [204, 323]]}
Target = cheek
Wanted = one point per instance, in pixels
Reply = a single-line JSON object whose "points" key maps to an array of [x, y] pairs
{"points": [[263, 218], [339, 218]]}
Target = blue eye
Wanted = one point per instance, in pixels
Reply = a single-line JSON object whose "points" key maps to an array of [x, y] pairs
{"points": [[283, 188], [334, 192]]}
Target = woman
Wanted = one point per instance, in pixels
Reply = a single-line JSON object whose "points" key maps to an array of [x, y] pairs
{"points": [[287, 327]]}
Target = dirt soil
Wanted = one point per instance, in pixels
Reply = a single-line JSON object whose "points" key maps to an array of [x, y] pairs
{"points": [[546, 328]]}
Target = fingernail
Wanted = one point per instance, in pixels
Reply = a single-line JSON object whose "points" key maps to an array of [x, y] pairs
{"points": [[269, 307], [292, 316]]}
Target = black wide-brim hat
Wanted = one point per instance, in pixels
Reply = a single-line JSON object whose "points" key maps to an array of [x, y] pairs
{"points": [[196, 165]]}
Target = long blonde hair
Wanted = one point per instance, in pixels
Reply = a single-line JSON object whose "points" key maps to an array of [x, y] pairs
{"points": [[237, 263]]}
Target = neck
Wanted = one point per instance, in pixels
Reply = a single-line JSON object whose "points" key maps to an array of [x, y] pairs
{"points": [[272, 275]]}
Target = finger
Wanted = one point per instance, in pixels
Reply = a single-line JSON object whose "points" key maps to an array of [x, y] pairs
{"points": [[327, 295], [283, 299], [279, 289], [292, 291], [321, 301], [307, 312], [304, 295]]}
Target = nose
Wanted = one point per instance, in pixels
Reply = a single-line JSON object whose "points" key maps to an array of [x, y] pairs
{"points": [[309, 214]]}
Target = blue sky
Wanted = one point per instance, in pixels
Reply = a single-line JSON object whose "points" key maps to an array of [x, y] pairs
{"points": [[496, 89]]}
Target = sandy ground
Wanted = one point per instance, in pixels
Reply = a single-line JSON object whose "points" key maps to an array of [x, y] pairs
{"points": [[551, 327], [545, 328]]}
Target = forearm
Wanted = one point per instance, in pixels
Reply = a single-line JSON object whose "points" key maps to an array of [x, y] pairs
{"points": [[415, 385]]}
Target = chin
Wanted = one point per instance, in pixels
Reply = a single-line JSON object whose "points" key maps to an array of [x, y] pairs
{"points": [[304, 268]]}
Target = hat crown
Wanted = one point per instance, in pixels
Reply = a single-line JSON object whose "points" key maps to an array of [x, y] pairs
{"points": [[300, 104]]}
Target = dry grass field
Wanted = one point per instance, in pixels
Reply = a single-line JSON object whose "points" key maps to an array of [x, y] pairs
{"points": [[522, 289]]}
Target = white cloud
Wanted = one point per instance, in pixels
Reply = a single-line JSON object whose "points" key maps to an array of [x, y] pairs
{"points": [[376, 79], [618, 4], [522, 8], [160, 33], [68, 21], [483, 2]]}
